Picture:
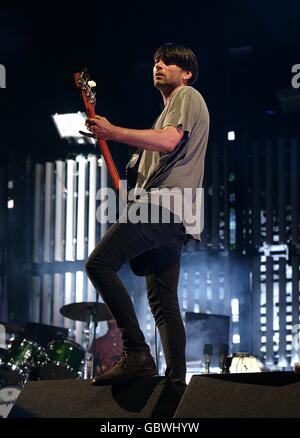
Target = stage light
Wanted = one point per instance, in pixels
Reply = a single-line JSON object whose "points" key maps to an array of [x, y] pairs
{"points": [[79, 326], [2, 76], [92, 159], [46, 298], [236, 339], [68, 288], [280, 249], [69, 298], [10, 203], [70, 219], [79, 287], [2, 336], [58, 299], [282, 362], [235, 309], [81, 160], [48, 210], [59, 211], [37, 213], [69, 125], [231, 135]]}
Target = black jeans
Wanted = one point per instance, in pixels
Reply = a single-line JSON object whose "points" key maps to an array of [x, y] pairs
{"points": [[162, 243]]}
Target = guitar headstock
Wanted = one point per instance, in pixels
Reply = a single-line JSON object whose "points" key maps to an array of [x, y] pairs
{"points": [[84, 83]]}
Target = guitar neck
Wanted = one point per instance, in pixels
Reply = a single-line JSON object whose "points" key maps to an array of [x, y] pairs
{"points": [[85, 85], [117, 184]]}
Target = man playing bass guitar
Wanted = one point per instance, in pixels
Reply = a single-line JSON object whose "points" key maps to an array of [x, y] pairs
{"points": [[171, 159]]}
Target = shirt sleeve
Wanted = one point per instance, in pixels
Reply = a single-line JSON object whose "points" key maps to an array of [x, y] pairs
{"points": [[183, 111]]}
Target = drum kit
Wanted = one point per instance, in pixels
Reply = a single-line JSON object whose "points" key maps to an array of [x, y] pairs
{"points": [[26, 360]]}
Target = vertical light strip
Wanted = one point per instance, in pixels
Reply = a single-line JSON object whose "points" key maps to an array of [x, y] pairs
{"points": [[92, 217], [57, 299], [92, 203], [47, 211], [70, 251], [3, 215], [68, 288], [47, 292], [79, 298], [91, 294], [59, 211], [68, 323], [35, 300], [37, 213], [2, 336], [79, 286], [80, 255], [103, 186]]}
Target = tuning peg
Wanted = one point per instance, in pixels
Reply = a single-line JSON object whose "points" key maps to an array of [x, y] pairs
{"points": [[92, 84]]}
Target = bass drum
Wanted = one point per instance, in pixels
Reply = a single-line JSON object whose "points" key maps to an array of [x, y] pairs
{"points": [[8, 397], [65, 361], [21, 358]]}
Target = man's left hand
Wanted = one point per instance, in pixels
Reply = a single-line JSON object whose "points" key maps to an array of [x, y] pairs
{"points": [[99, 127]]}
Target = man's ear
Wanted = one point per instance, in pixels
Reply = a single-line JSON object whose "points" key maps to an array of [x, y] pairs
{"points": [[187, 75]]}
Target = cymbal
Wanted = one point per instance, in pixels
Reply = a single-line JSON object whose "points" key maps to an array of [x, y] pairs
{"points": [[12, 328], [82, 311]]}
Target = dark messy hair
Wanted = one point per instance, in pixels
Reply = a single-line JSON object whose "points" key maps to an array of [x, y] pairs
{"points": [[181, 56]]}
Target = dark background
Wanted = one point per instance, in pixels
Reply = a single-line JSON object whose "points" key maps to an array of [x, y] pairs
{"points": [[245, 49]]}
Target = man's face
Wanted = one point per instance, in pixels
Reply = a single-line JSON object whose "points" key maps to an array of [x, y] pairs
{"points": [[168, 75]]}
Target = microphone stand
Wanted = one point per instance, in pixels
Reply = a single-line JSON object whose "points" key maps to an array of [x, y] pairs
{"points": [[223, 353], [93, 368], [207, 363], [208, 352], [94, 360], [92, 322]]}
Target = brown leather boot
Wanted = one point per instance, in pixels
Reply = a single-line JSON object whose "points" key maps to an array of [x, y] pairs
{"points": [[297, 367], [131, 365]]}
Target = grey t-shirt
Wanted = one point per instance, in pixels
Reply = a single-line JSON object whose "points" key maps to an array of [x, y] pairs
{"points": [[183, 168]]}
